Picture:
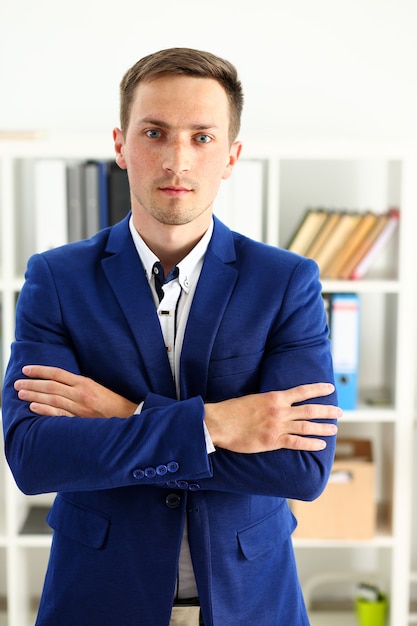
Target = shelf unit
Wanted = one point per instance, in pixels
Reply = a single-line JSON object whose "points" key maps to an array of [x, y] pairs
{"points": [[339, 175]]}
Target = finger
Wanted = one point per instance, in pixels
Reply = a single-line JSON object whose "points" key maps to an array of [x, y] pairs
{"points": [[313, 429], [31, 384], [309, 391], [307, 444], [36, 385], [316, 411], [56, 403], [47, 372], [48, 411]]}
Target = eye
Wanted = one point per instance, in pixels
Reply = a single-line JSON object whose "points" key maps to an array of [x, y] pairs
{"points": [[153, 133], [203, 138]]}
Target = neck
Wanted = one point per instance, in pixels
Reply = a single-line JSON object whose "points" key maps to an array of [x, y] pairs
{"points": [[171, 243]]}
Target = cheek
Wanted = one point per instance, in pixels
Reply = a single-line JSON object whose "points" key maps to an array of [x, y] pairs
{"points": [[212, 184], [216, 168], [139, 166], [211, 176]]}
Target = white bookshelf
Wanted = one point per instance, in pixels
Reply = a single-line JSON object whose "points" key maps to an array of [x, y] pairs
{"points": [[297, 175]]}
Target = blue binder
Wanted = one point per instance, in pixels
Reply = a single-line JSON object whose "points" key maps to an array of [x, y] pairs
{"points": [[344, 335]]}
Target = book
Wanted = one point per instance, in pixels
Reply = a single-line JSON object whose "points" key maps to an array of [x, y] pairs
{"points": [[307, 230], [50, 203], [378, 243], [119, 193], [107, 195], [345, 243], [75, 201], [103, 193], [364, 246], [91, 198], [25, 217], [339, 236], [323, 236], [362, 228]]}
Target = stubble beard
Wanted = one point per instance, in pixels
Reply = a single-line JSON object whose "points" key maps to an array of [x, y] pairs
{"points": [[173, 213]]}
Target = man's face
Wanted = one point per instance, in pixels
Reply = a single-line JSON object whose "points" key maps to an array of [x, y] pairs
{"points": [[176, 149]]}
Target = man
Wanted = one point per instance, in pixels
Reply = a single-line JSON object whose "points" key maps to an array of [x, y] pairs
{"points": [[177, 383]]}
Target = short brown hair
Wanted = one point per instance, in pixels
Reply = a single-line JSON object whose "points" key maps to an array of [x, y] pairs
{"points": [[189, 62]]}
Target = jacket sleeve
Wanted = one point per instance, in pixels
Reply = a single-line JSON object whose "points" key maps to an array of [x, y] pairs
{"points": [[71, 454], [297, 352]]}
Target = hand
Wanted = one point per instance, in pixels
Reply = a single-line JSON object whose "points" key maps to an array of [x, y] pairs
{"points": [[269, 421], [54, 391]]}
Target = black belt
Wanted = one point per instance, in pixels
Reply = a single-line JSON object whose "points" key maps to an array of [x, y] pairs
{"points": [[190, 602], [187, 601]]}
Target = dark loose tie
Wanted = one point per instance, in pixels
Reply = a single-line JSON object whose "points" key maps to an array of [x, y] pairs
{"points": [[160, 279]]}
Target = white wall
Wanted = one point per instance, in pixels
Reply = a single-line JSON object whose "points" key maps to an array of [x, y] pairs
{"points": [[310, 68]]}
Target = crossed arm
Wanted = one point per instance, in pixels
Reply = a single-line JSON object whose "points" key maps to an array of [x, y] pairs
{"points": [[254, 423]]}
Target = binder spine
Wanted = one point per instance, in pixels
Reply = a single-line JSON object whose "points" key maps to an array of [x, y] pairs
{"points": [[344, 335]]}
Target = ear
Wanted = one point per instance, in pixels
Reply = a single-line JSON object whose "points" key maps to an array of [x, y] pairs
{"points": [[118, 139], [234, 155]]}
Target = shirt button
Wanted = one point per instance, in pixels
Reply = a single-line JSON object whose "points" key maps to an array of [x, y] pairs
{"points": [[138, 474], [161, 470], [172, 501], [150, 472], [172, 467]]}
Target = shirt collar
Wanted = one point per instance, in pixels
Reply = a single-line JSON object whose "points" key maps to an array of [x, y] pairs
{"points": [[189, 267]]}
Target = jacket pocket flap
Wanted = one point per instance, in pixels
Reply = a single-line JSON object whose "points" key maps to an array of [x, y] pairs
{"points": [[267, 534], [77, 523]]}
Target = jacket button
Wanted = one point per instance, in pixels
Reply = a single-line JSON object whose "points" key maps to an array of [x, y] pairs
{"points": [[150, 472], [138, 474], [161, 470], [172, 501], [172, 467], [194, 487], [182, 484]]}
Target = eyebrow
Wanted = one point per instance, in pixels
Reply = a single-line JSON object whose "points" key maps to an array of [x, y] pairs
{"points": [[162, 124]]}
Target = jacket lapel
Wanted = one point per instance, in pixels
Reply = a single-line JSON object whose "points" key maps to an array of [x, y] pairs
{"points": [[215, 286], [126, 276]]}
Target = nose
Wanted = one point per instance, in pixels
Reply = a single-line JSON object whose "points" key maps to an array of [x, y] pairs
{"points": [[177, 157]]}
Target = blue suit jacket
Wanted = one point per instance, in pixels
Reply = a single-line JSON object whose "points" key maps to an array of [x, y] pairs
{"points": [[125, 486]]}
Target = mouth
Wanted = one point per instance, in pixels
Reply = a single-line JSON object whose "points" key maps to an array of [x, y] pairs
{"points": [[174, 190]]}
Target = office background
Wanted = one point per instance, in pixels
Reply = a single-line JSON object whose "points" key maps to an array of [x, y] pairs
{"points": [[311, 69]]}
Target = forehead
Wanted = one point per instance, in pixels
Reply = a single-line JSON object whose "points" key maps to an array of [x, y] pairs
{"points": [[201, 99]]}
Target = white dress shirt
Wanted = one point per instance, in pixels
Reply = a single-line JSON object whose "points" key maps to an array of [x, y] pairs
{"points": [[173, 313]]}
